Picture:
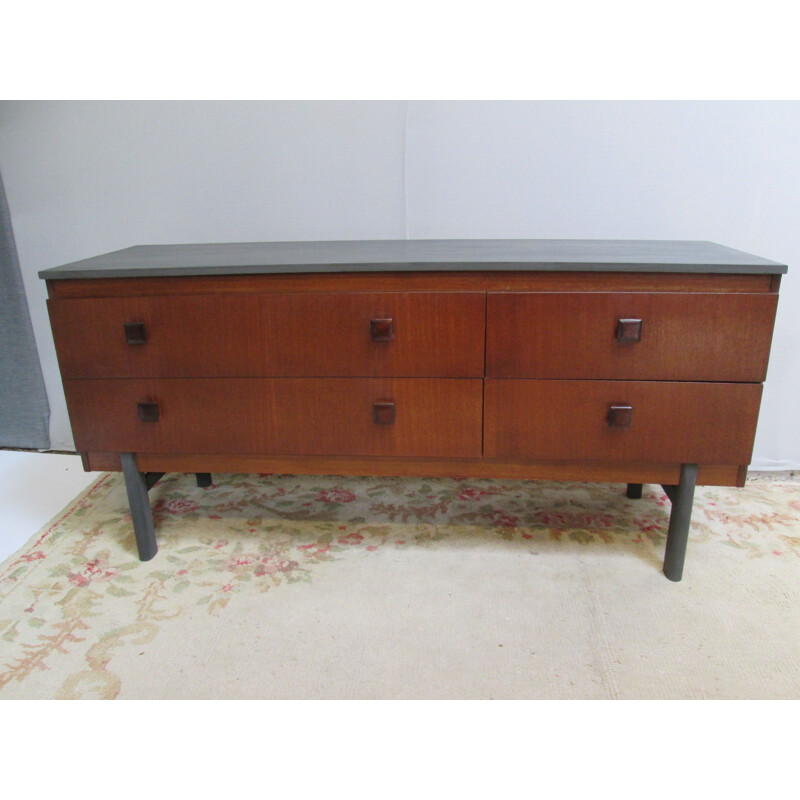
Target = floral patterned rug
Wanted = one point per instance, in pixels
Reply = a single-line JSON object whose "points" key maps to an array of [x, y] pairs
{"points": [[275, 586]]}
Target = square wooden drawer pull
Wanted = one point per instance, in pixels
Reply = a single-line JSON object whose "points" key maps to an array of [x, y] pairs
{"points": [[629, 330], [381, 330], [148, 412], [383, 413], [135, 333], [620, 416]]}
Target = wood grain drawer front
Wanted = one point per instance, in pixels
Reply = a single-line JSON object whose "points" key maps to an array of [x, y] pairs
{"points": [[385, 334], [289, 416], [704, 423], [693, 337]]}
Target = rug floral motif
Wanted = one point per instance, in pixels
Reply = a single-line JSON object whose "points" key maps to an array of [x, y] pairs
{"points": [[78, 586]]}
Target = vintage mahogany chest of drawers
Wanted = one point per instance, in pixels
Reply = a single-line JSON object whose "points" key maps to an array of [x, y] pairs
{"points": [[629, 361]]}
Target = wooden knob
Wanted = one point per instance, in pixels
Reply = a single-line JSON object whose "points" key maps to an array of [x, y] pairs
{"points": [[383, 412], [135, 333], [381, 329], [148, 412], [620, 416], [629, 330]]}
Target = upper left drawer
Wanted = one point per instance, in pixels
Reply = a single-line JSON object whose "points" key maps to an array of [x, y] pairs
{"points": [[347, 335]]}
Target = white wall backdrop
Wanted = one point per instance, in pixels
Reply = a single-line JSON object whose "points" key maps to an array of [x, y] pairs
{"points": [[83, 178]]}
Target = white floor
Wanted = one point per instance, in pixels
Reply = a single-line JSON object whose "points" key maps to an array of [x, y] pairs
{"points": [[34, 487]]}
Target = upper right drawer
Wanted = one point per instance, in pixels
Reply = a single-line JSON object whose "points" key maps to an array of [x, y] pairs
{"points": [[629, 335]]}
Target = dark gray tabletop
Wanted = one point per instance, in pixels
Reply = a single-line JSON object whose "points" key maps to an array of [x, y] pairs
{"points": [[415, 256]]}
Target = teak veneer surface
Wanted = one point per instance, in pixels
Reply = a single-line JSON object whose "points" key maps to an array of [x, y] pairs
{"points": [[388, 281], [456, 468], [673, 422], [323, 335], [287, 416], [692, 337]]}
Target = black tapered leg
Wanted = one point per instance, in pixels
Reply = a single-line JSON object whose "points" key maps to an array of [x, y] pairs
{"points": [[682, 497], [152, 478], [634, 491], [203, 479], [136, 484]]}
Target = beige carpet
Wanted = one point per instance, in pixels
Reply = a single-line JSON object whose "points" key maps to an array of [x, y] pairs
{"points": [[308, 587]]}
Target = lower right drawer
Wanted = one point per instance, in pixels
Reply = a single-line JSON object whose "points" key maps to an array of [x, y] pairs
{"points": [[621, 421]]}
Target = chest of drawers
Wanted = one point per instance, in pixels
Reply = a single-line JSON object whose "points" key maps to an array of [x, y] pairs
{"points": [[634, 362]]}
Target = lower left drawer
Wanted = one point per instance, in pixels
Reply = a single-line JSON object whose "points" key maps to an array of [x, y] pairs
{"points": [[284, 416]]}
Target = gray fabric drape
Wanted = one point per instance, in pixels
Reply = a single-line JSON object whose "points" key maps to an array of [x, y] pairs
{"points": [[24, 410]]}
